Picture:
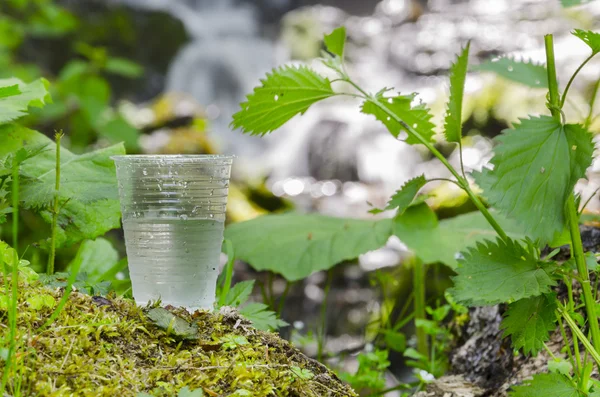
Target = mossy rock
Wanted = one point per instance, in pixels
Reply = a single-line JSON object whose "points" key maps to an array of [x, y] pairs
{"points": [[110, 347]]}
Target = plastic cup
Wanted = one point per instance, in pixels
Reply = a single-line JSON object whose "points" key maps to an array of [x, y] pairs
{"points": [[173, 211]]}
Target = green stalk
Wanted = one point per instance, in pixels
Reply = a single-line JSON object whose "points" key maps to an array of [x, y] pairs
{"points": [[12, 314], [462, 182], [564, 96], [323, 329], [577, 247], [588, 119], [571, 210], [55, 209], [228, 271], [419, 294], [576, 331]]}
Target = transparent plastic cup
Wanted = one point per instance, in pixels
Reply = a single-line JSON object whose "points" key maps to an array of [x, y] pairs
{"points": [[173, 209]]}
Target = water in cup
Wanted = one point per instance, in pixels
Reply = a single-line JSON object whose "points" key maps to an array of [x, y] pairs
{"points": [[173, 211]]}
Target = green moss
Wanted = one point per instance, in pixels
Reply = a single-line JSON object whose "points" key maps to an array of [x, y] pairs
{"points": [[110, 347]]}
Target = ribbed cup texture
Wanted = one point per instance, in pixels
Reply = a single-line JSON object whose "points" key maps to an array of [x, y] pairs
{"points": [[173, 211]]}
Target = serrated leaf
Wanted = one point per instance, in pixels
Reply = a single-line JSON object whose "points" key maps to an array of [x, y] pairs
{"points": [[418, 227], [529, 322], [284, 93], [592, 39], [536, 166], [499, 271], [296, 245], [458, 74], [523, 72], [546, 385], [239, 293], [16, 97], [262, 318], [405, 196], [336, 41], [88, 192], [416, 117]]}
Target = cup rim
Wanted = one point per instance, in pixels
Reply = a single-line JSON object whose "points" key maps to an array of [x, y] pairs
{"points": [[192, 158]]}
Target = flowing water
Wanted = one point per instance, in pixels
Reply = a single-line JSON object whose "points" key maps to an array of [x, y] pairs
{"points": [[175, 260]]}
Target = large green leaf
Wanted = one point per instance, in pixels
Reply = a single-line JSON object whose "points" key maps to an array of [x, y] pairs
{"points": [[88, 189], [529, 322], [522, 72], [16, 97], [546, 385], [416, 117], [96, 257], [284, 93], [296, 245], [500, 271], [441, 241], [536, 167], [458, 74]]}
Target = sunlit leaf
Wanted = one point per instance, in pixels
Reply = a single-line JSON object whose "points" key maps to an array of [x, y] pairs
{"points": [[284, 93], [592, 39], [336, 41], [536, 166], [458, 74], [414, 116]]}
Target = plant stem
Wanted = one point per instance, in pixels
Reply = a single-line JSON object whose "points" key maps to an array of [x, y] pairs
{"points": [[12, 314], [564, 96], [419, 293], [576, 331], [228, 271], [577, 247], [55, 210], [565, 341], [283, 297], [588, 119], [323, 325], [571, 210], [554, 96]]}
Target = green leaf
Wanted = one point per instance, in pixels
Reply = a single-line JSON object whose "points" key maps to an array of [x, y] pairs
{"points": [[301, 373], [173, 324], [284, 93], [16, 97], [418, 227], [500, 271], [239, 293], [403, 198], [546, 385], [573, 3], [38, 302], [116, 129], [336, 41], [233, 341], [262, 318], [536, 166], [395, 340], [123, 67], [297, 245], [560, 366], [186, 392], [458, 74], [88, 191], [96, 257], [592, 39], [417, 117], [522, 72], [529, 322]]}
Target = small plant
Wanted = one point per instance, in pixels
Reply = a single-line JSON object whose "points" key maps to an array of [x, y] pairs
{"points": [[535, 168]]}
